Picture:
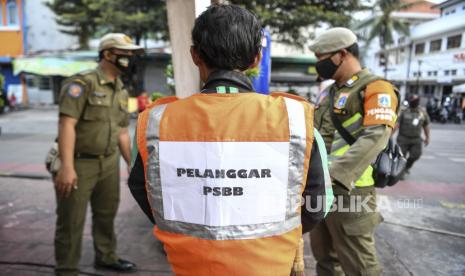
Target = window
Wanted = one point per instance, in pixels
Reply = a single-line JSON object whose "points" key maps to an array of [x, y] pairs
{"points": [[435, 45], [454, 41], [446, 72], [419, 48], [435, 73], [401, 40], [44, 83], [452, 11], [430, 73], [12, 13], [454, 72]]}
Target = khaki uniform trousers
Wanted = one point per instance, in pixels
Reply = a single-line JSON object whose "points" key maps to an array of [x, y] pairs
{"points": [[343, 243], [98, 182]]}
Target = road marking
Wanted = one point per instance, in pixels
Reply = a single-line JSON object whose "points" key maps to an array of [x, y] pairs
{"points": [[450, 154], [460, 160], [429, 157]]}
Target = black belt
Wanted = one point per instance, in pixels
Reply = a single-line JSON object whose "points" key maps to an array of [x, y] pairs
{"points": [[90, 156]]}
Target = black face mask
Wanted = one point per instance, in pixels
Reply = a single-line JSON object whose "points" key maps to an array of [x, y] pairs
{"points": [[326, 67], [125, 63]]}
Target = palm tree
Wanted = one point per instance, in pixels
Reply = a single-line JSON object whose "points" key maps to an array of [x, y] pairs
{"points": [[383, 25]]}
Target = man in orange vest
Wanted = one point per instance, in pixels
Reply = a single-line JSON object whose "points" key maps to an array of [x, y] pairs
{"points": [[222, 173]]}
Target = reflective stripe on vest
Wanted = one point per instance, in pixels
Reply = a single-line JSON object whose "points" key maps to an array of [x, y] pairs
{"points": [[354, 125], [225, 174]]}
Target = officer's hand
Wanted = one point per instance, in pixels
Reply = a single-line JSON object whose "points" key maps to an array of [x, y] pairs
{"points": [[66, 181], [426, 142]]}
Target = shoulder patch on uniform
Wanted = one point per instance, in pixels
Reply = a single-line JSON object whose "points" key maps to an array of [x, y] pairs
{"points": [[341, 101], [352, 81], [75, 90], [384, 100]]}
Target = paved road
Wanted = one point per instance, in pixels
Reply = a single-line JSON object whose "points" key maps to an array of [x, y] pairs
{"points": [[423, 234]]}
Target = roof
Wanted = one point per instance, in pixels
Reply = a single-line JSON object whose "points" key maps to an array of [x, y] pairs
{"points": [[447, 4], [438, 26], [51, 66]]}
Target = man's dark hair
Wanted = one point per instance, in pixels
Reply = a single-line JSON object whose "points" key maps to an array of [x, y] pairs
{"points": [[227, 37], [353, 49], [100, 55]]}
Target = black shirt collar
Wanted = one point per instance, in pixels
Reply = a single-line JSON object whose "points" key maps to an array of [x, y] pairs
{"points": [[231, 81]]}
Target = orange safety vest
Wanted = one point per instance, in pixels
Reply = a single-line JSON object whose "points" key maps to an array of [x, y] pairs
{"points": [[224, 178]]}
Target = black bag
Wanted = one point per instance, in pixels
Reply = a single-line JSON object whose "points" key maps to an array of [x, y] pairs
{"points": [[390, 163]]}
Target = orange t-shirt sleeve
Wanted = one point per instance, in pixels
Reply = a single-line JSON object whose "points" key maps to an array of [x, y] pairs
{"points": [[380, 104]]}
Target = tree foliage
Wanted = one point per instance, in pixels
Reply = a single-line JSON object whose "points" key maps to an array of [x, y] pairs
{"points": [[384, 24], [137, 18], [86, 18], [290, 21], [77, 17]]}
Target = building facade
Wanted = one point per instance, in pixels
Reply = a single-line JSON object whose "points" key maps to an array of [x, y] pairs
{"points": [[432, 59], [42, 31], [12, 40]]}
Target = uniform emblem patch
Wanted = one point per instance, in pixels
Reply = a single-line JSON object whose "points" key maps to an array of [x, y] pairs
{"points": [[75, 90], [384, 100], [341, 102]]}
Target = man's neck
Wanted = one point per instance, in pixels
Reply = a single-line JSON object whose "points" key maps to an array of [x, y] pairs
{"points": [[348, 73], [110, 73]]}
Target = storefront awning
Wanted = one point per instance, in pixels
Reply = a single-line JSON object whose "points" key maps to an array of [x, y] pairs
{"points": [[50, 66], [459, 88]]}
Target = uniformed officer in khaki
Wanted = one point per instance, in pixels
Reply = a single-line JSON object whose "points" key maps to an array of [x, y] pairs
{"points": [[410, 123], [93, 133], [366, 107]]}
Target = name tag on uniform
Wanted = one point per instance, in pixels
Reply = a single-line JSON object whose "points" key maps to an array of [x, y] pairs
{"points": [[100, 94], [224, 183], [415, 122]]}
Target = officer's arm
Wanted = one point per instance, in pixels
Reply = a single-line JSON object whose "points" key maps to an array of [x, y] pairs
{"points": [[379, 119], [124, 144], [317, 194], [72, 102], [66, 140], [426, 128], [349, 167]]}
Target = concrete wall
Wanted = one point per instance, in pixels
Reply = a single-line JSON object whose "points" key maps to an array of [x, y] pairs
{"points": [[42, 31]]}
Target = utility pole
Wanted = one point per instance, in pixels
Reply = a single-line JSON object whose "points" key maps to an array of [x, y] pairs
{"points": [[418, 76]]}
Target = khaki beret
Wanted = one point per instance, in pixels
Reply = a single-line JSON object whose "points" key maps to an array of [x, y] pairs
{"points": [[117, 41], [333, 40]]}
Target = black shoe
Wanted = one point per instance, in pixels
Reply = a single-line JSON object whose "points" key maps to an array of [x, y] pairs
{"points": [[121, 265]]}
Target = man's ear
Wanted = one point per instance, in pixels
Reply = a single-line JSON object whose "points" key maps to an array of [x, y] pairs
{"points": [[257, 60], [107, 55], [195, 56]]}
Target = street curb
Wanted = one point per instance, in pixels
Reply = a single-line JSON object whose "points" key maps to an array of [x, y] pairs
{"points": [[25, 175]]}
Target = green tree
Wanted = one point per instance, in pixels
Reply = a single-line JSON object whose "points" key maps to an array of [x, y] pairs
{"points": [[77, 17], [289, 20], [137, 18], [383, 25]]}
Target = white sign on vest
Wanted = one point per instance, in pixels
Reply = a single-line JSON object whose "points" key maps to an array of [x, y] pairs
{"points": [[224, 183]]}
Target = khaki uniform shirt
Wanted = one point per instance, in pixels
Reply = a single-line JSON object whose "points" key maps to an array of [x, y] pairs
{"points": [[100, 106], [411, 122], [379, 116]]}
